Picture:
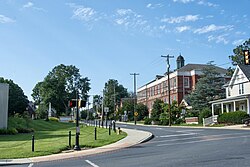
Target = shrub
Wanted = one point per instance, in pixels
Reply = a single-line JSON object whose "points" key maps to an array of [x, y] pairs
{"points": [[233, 117], [147, 121], [11, 131], [24, 130], [53, 119], [205, 113], [179, 121], [164, 119]]}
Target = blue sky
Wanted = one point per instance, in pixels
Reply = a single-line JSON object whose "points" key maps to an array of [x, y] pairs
{"points": [[109, 39]]}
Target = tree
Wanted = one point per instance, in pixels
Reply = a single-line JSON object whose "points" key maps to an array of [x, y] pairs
{"points": [[238, 56], [142, 111], [59, 86], [17, 100], [208, 88], [97, 103], [113, 93], [157, 110]]}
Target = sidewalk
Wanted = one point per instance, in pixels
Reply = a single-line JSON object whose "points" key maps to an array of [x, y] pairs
{"points": [[134, 137]]}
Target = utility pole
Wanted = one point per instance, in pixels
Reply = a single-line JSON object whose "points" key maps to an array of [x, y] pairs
{"points": [[102, 106], [168, 66], [134, 74], [114, 102]]}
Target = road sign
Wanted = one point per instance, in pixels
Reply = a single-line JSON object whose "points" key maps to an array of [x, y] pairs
{"points": [[106, 109], [136, 114]]}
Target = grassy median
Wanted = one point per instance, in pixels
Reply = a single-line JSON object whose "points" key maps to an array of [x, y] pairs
{"points": [[52, 137]]}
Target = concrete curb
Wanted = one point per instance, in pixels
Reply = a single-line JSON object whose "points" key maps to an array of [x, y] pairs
{"points": [[134, 137], [232, 127]]}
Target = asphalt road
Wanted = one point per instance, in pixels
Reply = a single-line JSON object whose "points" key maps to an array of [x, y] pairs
{"points": [[172, 146]]}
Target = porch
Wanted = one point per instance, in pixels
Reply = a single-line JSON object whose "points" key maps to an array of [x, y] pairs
{"points": [[239, 103]]}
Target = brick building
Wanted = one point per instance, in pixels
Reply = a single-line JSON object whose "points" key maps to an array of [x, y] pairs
{"points": [[182, 82]]}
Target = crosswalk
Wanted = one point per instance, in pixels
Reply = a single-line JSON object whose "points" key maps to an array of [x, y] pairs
{"points": [[193, 136]]}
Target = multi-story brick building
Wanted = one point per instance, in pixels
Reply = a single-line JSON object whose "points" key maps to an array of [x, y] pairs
{"points": [[182, 82]]}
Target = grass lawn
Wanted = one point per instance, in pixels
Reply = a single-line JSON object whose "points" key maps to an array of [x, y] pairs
{"points": [[52, 137]]}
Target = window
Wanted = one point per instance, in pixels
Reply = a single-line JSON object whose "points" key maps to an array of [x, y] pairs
{"points": [[186, 82], [174, 82], [241, 88], [228, 92]]}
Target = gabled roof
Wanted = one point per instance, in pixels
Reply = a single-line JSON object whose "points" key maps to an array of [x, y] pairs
{"points": [[190, 67], [246, 70]]}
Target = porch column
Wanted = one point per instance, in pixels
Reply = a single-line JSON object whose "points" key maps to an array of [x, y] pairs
{"points": [[222, 108], [212, 109], [227, 108], [234, 105], [248, 106]]}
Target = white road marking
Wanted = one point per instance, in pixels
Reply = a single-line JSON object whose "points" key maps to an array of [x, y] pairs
{"points": [[91, 163], [30, 165], [158, 128], [185, 134], [190, 131], [204, 140], [199, 137]]}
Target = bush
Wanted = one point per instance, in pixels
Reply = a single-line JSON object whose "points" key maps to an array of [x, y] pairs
{"points": [[179, 121], [164, 119], [53, 119], [11, 131], [24, 130], [147, 121], [205, 113], [232, 117]]}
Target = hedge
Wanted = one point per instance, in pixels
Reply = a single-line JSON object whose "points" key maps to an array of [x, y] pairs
{"points": [[232, 117]]}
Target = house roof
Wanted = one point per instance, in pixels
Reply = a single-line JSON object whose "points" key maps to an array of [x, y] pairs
{"points": [[246, 70], [190, 67]]}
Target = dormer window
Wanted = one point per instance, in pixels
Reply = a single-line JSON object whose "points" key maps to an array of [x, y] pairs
{"points": [[228, 92]]}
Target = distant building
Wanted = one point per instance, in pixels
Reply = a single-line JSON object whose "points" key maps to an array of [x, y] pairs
{"points": [[182, 82], [237, 92], [31, 108]]}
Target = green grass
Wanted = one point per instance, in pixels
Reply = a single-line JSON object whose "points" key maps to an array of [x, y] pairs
{"points": [[50, 138]]}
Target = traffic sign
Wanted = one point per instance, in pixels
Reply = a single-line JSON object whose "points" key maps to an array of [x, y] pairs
{"points": [[136, 114], [106, 109]]}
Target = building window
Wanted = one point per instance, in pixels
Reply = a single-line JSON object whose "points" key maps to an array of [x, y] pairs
{"points": [[174, 82], [186, 82], [228, 92], [241, 88]]}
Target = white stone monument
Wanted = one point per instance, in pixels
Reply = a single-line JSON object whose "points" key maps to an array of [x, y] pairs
{"points": [[4, 98]]}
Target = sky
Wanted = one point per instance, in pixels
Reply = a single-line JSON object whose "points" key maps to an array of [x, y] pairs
{"points": [[110, 39]]}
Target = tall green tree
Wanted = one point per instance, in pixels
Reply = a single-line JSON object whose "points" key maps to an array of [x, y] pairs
{"points": [[238, 56], [17, 100], [208, 88], [97, 103], [157, 109], [113, 93], [142, 111], [59, 86]]}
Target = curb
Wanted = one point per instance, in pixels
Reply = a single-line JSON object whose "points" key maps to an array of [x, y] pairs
{"points": [[233, 127], [134, 137]]}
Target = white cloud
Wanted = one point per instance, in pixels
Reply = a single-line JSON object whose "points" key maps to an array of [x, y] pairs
{"points": [[85, 14], [180, 19], [129, 18], [218, 39], [183, 28], [28, 5], [4, 19], [204, 3], [238, 42], [211, 28], [183, 1], [154, 6]]}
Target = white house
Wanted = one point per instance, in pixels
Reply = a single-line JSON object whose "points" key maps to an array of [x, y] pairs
{"points": [[237, 92]]}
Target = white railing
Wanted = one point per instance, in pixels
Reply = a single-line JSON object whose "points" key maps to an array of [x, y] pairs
{"points": [[210, 120]]}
